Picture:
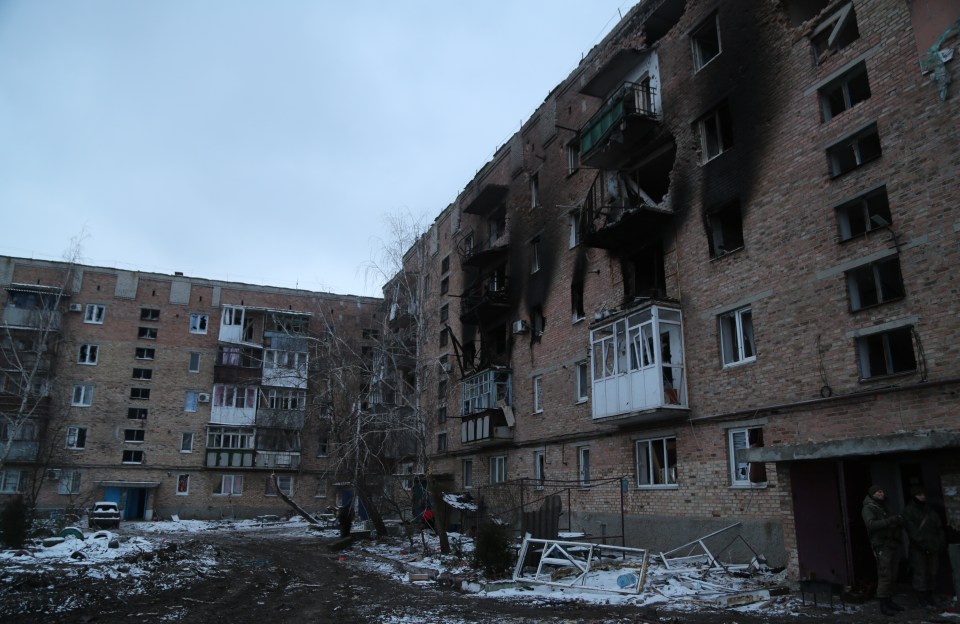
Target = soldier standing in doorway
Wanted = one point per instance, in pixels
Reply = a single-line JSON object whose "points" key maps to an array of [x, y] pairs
{"points": [[883, 529], [926, 539]]}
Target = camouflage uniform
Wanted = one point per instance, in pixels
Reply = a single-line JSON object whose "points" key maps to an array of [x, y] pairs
{"points": [[884, 532]]}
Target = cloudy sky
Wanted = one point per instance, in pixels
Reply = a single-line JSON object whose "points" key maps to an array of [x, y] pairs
{"points": [[261, 141]]}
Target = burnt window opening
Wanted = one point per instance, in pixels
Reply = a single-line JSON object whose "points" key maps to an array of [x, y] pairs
{"points": [[643, 274], [444, 313], [535, 253], [442, 414], [442, 389], [535, 190], [538, 323], [868, 212], [706, 42], [726, 230], [573, 221], [875, 283], [444, 339], [445, 264], [573, 158], [444, 285], [716, 132], [854, 151], [845, 92], [834, 33], [576, 301], [886, 353], [496, 225]]}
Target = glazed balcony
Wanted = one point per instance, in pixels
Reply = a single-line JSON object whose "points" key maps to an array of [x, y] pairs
{"points": [[623, 128], [639, 374], [31, 318], [486, 407], [23, 451], [281, 418]]}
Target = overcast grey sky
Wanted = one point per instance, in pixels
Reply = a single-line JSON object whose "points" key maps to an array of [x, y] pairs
{"points": [[261, 141]]}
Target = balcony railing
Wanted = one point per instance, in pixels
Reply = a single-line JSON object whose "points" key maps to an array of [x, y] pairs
{"points": [[281, 418], [278, 459], [229, 458], [490, 295], [638, 365], [622, 121], [31, 318]]}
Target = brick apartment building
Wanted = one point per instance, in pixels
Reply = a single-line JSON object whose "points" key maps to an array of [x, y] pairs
{"points": [[718, 263], [171, 394]]}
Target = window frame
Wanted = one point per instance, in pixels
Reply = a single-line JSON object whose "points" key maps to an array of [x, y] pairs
{"points": [[270, 489], [873, 207], [134, 436], [711, 22], [466, 473], [442, 442], [94, 313], [76, 438], [583, 466], [865, 344], [139, 394], [581, 375], [183, 484], [132, 456], [69, 483], [187, 439], [722, 132], [539, 468], [236, 485], [147, 333], [537, 384], [649, 453], [134, 413], [8, 485], [145, 353], [734, 467], [498, 469], [142, 374], [85, 398], [856, 143], [842, 86], [149, 314], [199, 323], [193, 361], [882, 277], [88, 354], [738, 326]]}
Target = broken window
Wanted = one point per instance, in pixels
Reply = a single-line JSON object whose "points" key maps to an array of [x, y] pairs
{"points": [[183, 484], [498, 469], [496, 226], [142, 373], [845, 92], [736, 337], [576, 300], [726, 230], [583, 465], [538, 323], [445, 264], [13, 481], [657, 462], [88, 354], [137, 413], [144, 353], [94, 313], [444, 339], [142, 394], [705, 40], [886, 353], [745, 474], [186, 442], [147, 333], [875, 283], [539, 468], [132, 457], [444, 285], [441, 442], [198, 323], [134, 436], [466, 471], [442, 389], [716, 133], [863, 214], [76, 438], [854, 151], [289, 399], [582, 381], [836, 32], [190, 401], [442, 414], [535, 255], [149, 314], [535, 190], [538, 394], [643, 274], [82, 396]]}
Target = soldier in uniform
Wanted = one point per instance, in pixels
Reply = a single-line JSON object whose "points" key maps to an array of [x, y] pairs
{"points": [[883, 529], [925, 531]]}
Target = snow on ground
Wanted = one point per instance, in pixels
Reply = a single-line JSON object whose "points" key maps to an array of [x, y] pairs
{"points": [[143, 554]]}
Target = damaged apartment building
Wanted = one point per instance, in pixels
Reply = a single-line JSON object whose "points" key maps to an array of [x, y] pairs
{"points": [[716, 268], [173, 395]]}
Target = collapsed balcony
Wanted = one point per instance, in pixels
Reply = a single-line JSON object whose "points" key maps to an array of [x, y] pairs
{"points": [[621, 206], [487, 297], [486, 407], [638, 366]]}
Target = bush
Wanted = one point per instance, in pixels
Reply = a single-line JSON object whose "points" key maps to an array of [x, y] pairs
{"points": [[492, 552], [15, 523]]}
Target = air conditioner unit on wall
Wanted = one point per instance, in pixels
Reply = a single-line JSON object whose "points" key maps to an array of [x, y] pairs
{"points": [[76, 307], [520, 327], [203, 397], [53, 474]]}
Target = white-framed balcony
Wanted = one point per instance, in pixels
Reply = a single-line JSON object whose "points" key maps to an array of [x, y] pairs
{"points": [[638, 371], [234, 405], [486, 407]]}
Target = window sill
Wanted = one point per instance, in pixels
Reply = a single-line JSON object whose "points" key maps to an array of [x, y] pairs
{"points": [[748, 486], [578, 320], [740, 363], [183, 493], [727, 253], [186, 452], [866, 380], [873, 306], [581, 401], [648, 488]]}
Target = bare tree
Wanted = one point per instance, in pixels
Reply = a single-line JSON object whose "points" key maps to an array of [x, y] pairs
{"points": [[29, 340]]}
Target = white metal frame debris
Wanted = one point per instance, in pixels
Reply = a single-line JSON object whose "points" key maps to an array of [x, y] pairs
{"points": [[706, 555], [582, 557]]}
